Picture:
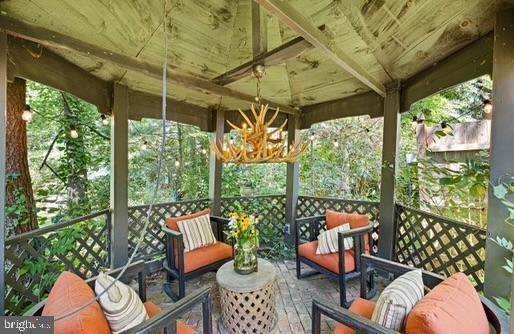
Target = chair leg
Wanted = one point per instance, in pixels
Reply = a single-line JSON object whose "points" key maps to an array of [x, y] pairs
{"points": [[342, 293], [298, 269], [181, 288]]}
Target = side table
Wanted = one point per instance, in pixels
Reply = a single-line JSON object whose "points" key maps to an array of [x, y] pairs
{"points": [[247, 301]]}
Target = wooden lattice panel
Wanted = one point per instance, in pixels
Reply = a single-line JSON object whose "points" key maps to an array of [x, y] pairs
{"points": [[313, 206], [440, 245], [153, 241], [34, 260]]}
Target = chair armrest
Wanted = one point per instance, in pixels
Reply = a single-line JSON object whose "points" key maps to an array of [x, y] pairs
{"points": [[171, 233], [220, 223], [168, 317], [357, 231], [497, 318], [36, 310], [219, 220], [171, 237], [359, 323]]}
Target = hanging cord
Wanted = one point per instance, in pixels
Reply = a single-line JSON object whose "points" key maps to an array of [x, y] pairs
{"points": [[157, 184]]}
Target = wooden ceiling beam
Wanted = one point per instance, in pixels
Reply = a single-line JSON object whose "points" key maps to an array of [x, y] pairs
{"points": [[53, 39], [259, 30], [298, 23], [470, 62], [278, 55], [369, 103]]}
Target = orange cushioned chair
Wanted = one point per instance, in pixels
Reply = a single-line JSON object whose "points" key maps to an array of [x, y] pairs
{"points": [[342, 265], [452, 306], [70, 292], [181, 265]]}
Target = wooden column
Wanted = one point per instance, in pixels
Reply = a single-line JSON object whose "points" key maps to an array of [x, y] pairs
{"points": [[216, 166], [293, 179], [3, 113], [497, 280], [389, 163], [119, 177]]}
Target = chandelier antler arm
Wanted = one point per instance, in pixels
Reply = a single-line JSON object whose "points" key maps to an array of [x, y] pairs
{"points": [[250, 124], [273, 118], [235, 127]]}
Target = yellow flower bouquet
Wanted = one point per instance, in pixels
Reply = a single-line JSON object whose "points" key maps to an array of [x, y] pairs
{"points": [[242, 229]]}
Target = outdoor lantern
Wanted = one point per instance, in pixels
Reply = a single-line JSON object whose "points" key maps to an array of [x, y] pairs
{"points": [[105, 120], [488, 107], [27, 114], [74, 133]]}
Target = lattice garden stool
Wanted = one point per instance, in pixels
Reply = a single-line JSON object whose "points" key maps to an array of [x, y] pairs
{"points": [[247, 301]]}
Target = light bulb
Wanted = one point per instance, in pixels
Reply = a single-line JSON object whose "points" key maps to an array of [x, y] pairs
{"points": [[74, 133], [488, 107], [311, 137], [244, 125], [144, 146], [204, 151], [105, 120], [231, 141], [27, 114], [177, 163], [336, 143]]}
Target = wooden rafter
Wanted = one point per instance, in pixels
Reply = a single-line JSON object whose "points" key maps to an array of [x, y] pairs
{"points": [[298, 23], [56, 40]]}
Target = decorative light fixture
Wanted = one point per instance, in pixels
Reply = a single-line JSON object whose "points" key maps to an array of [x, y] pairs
{"points": [[144, 147], [204, 150], [177, 163], [105, 120], [258, 144], [336, 143], [311, 136], [488, 107], [27, 114], [74, 133]]}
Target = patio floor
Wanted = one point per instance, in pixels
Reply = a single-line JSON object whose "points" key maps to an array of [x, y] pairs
{"points": [[293, 300]]}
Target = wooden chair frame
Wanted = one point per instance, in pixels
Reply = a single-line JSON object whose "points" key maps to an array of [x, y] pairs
{"points": [[164, 322], [497, 319], [342, 277], [175, 268]]}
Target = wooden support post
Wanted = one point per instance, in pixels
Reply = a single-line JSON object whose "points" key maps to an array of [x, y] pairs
{"points": [[389, 163], [3, 111], [293, 180], [216, 166], [119, 177], [497, 280]]}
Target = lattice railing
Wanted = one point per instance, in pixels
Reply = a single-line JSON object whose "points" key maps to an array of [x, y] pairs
{"points": [[34, 260], [313, 206], [439, 245], [153, 241], [270, 210]]}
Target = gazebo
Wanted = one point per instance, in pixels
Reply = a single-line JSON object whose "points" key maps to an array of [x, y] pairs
{"points": [[324, 60]]}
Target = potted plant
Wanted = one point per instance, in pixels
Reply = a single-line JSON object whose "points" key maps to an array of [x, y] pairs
{"points": [[243, 229]]}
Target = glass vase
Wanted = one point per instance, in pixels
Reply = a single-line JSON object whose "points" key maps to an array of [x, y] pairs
{"points": [[245, 257]]}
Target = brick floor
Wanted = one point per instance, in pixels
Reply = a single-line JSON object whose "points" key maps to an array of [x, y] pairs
{"points": [[294, 298]]}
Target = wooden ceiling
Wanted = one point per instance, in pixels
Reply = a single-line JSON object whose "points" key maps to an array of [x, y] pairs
{"points": [[389, 39]]}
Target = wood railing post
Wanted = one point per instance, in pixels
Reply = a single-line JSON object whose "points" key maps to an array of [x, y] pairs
{"points": [[293, 180], [216, 166], [3, 111], [497, 280], [389, 163], [119, 177]]}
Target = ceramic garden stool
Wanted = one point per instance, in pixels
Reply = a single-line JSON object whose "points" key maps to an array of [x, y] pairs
{"points": [[247, 301]]}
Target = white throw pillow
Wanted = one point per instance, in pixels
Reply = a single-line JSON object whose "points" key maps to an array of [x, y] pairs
{"points": [[398, 299], [121, 304], [327, 240], [197, 232]]}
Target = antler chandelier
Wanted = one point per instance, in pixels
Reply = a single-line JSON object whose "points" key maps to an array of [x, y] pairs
{"points": [[258, 143]]}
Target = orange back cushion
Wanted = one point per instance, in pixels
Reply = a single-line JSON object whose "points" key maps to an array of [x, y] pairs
{"points": [[171, 222], [453, 306], [334, 219], [68, 293]]}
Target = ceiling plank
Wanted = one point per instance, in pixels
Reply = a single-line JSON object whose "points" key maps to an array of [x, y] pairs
{"points": [[259, 30], [273, 57], [33, 62], [55, 40], [298, 23], [369, 103], [470, 62]]}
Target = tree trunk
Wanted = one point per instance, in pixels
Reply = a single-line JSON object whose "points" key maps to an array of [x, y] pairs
{"points": [[19, 196]]}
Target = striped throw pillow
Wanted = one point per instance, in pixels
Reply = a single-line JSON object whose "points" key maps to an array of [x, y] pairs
{"points": [[121, 305], [398, 299], [327, 240], [197, 232]]}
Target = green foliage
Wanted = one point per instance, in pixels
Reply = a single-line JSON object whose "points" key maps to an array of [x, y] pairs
{"points": [[16, 213]]}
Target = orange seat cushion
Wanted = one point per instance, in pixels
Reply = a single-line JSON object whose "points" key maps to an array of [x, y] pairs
{"points": [[68, 293], [327, 261], [335, 219], [361, 307], [453, 306], [171, 222], [153, 310], [201, 257]]}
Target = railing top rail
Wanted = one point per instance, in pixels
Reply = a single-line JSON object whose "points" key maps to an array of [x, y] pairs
{"points": [[256, 196], [139, 206], [54, 227], [443, 219], [340, 199]]}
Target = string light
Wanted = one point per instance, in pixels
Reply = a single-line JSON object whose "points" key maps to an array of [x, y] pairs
{"points": [[311, 136], [231, 141], [177, 163], [336, 143], [74, 133], [144, 147], [105, 120], [204, 151], [488, 107], [27, 114]]}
